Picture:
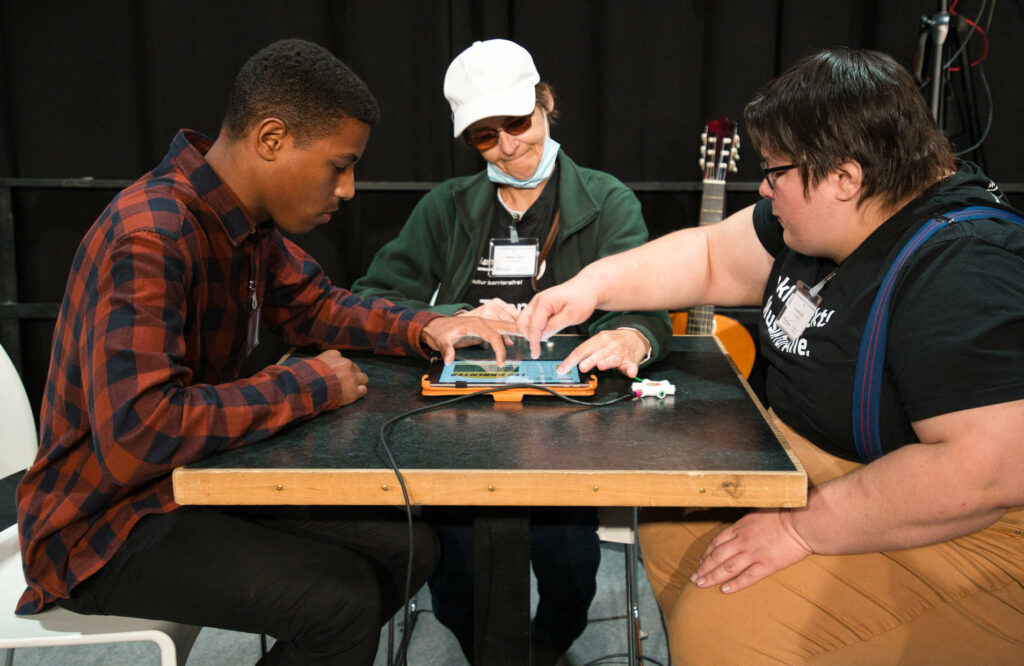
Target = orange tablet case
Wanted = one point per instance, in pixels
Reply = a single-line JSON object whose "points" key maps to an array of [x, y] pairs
{"points": [[511, 394]]}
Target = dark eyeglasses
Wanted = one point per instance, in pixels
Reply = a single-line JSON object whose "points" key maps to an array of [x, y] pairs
{"points": [[773, 173], [488, 138]]}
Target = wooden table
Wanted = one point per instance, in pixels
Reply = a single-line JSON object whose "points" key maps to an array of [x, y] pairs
{"points": [[709, 445]]}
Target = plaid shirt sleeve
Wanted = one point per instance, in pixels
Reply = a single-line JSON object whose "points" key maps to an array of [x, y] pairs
{"points": [[143, 374], [303, 304], [151, 408]]}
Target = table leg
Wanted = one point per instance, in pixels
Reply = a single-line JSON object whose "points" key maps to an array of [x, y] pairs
{"points": [[501, 565]]}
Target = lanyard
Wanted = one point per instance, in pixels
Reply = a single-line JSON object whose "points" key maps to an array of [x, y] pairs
{"points": [[818, 287]]}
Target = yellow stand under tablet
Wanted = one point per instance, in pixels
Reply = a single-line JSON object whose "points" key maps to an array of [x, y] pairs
{"points": [[512, 394]]}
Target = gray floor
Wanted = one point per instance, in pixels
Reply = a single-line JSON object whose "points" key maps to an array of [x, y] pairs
{"points": [[431, 643]]}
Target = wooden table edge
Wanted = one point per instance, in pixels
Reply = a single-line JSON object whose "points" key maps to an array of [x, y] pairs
{"points": [[482, 487], [489, 487]]}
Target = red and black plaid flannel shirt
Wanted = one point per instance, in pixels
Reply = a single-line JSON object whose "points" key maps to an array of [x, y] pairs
{"points": [[146, 354]]}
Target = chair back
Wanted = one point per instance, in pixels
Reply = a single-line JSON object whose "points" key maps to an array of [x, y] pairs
{"points": [[18, 438]]}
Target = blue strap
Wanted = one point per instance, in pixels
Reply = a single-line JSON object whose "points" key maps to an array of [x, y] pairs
{"points": [[867, 383]]}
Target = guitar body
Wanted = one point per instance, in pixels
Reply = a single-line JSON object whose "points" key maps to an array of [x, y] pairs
{"points": [[733, 335], [719, 151]]}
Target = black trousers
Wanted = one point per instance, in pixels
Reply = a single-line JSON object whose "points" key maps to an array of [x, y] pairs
{"points": [[321, 580], [565, 553]]}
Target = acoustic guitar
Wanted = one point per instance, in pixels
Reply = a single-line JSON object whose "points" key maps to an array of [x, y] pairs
{"points": [[719, 152]]}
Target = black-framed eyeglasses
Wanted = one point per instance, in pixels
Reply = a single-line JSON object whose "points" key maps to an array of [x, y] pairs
{"points": [[772, 174], [488, 138]]}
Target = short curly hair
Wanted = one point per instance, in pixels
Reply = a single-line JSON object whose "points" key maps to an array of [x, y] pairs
{"points": [[302, 84]]}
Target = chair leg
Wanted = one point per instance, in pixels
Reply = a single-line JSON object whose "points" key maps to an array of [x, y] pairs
{"points": [[391, 640], [632, 609], [399, 658], [634, 649]]}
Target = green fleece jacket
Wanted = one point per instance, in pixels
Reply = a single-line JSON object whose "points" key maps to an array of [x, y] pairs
{"points": [[447, 233]]}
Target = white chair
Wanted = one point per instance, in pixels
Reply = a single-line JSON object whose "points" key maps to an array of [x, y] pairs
{"points": [[57, 626], [18, 429], [617, 524]]}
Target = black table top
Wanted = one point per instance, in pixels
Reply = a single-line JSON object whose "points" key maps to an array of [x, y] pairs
{"points": [[711, 425]]}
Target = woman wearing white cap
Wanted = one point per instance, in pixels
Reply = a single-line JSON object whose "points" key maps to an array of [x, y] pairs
{"points": [[462, 251]]}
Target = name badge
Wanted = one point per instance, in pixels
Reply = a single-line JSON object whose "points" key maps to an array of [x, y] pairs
{"points": [[513, 258], [252, 338], [798, 311]]}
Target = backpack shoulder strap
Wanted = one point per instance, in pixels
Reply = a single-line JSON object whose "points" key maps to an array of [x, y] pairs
{"points": [[867, 383]]}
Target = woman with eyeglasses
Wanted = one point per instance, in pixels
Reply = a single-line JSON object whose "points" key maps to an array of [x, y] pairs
{"points": [[888, 275], [483, 245]]}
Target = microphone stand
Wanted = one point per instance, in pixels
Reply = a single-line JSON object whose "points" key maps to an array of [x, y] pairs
{"points": [[937, 31]]}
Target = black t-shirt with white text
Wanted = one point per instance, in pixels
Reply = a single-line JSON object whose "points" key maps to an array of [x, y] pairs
{"points": [[956, 328]]}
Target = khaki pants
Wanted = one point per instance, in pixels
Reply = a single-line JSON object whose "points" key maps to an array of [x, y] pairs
{"points": [[957, 602]]}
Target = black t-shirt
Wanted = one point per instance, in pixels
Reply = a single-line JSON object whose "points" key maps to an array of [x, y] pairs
{"points": [[956, 328], [535, 223]]}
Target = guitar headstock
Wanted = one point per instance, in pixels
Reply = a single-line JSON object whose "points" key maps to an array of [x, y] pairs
{"points": [[719, 149]]}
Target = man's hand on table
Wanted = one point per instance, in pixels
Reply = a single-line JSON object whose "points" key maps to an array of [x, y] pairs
{"points": [[445, 334], [353, 380]]}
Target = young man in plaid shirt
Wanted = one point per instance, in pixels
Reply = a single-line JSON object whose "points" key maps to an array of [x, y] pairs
{"points": [[163, 304]]}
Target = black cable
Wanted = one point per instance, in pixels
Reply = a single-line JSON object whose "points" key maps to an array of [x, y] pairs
{"points": [[988, 120], [968, 104], [664, 629], [404, 646], [988, 23], [978, 138], [974, 29]]}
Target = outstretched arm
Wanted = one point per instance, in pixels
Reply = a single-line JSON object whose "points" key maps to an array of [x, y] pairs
{"points": [[724, 264]]}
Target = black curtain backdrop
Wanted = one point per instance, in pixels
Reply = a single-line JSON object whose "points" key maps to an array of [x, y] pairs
{"points": [[98, 88]]}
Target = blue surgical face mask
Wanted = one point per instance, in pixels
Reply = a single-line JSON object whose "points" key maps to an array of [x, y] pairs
{"points": [[544, 169]]}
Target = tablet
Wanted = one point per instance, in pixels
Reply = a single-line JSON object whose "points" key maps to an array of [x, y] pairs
{"points": [[489, 373], [475, 369]]}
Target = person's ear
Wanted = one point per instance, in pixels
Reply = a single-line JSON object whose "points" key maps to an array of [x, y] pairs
{"points": [[269, 137], [848, 180]]}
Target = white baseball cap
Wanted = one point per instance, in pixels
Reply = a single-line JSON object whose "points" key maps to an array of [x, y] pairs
{"points": [[492, 78]]}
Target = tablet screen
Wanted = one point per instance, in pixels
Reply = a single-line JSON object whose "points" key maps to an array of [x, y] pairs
{"points": [[475, 367], [512, 372]]}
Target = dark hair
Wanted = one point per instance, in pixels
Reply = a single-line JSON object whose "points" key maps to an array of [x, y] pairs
{"points": [[843, 104], [303, 85]]}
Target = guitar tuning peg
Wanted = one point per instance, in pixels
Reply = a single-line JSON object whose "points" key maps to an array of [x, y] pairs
{"points": [[700, 162], [732, 167], [704, 136]]}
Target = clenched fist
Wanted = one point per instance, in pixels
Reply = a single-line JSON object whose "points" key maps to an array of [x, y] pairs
{"points": [[353, 380]]}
